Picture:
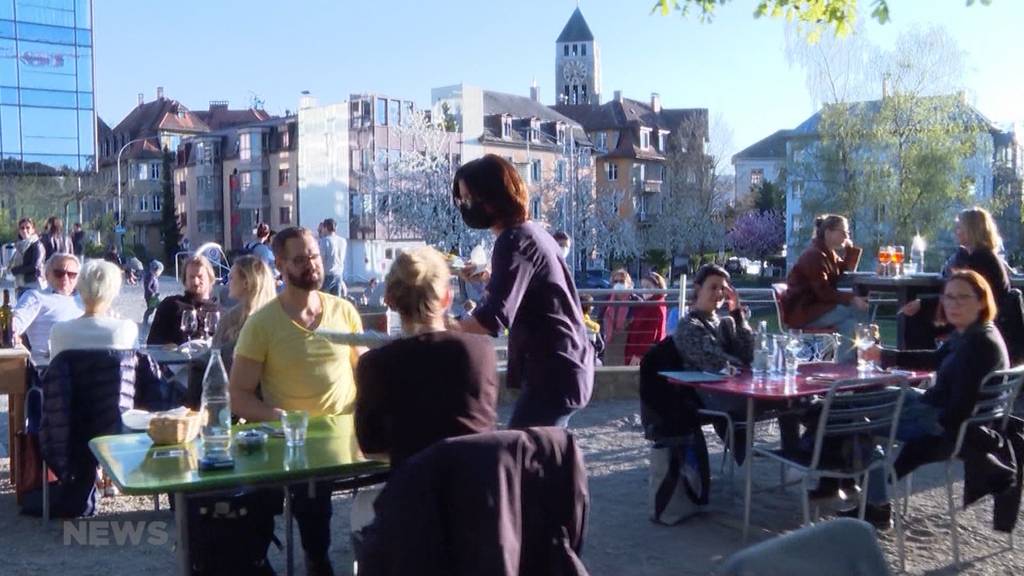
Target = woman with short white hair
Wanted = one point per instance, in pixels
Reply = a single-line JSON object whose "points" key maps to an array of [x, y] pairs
{"points": [[98, 284]]}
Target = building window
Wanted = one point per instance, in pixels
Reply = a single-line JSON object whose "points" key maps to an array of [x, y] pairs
{"points": [[245, 181], [661, 140], [282, 176], [536, 168], [645, 139], [601, 141], [382, 112], [535, 208], [181, 188], [560, 132], [394, 114], [144, 203], [583, 93], [158, 202], [407, 112], [565, 50], [575, 49], [560, 171], [611, 171], [506, 126], [285, 214], [756, 177], [244, 147], [583, 49], [566, 93], [154, 170]]}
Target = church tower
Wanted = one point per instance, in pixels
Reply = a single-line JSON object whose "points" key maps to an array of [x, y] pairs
{"points": [[577, 64]]}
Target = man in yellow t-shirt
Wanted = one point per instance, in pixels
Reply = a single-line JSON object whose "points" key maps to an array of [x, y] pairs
{"points": [[279, 351]]}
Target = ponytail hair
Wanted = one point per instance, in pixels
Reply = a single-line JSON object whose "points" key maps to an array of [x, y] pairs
{"points": [[417, 284], [827, 222]]}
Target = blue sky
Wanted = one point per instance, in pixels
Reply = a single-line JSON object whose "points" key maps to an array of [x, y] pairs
{"points": [[202, 50]]}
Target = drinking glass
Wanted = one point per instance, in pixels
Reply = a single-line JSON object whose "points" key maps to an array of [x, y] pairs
{"points": [[210, 322], [189, 323], [294, 424], [884, 256], [897, 259], [864, 339], [794, 348]]}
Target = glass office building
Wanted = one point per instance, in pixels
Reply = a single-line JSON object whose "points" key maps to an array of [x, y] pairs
{"points": [[47, 118]]}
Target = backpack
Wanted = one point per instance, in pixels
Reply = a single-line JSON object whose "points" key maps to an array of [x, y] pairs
{"points": [[230, 534]]}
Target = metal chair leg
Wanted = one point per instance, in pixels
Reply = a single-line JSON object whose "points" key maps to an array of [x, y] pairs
{"points": [[952, 515], [906, 497], [862, 505], [46, 494], [805, 499]]}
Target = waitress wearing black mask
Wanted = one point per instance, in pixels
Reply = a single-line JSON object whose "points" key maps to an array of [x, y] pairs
{"points": [[531, 294]]}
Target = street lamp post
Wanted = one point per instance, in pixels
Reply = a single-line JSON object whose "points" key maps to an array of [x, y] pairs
{"points": [[119, 231]]}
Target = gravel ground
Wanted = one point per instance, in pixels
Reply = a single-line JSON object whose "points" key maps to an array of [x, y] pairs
{"points": [[620, 539]]}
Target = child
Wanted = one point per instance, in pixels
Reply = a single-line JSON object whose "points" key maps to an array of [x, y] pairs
{"points": [[151, 288], [587, 304]]}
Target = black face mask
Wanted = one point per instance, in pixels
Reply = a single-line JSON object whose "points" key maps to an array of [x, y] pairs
{"points": [[475, 216]]}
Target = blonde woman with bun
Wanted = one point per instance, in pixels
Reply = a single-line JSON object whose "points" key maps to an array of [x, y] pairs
{"points": [[431, 384]]}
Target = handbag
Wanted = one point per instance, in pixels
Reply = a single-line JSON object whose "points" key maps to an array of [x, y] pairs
{"points": [[679, 480], [29, 467]]}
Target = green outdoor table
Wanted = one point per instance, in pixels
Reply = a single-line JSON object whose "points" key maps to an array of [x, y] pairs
{"points": [[139, 468]]}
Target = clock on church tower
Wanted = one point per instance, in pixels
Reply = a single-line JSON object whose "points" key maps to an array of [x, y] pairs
{"points": [[577, 63]]}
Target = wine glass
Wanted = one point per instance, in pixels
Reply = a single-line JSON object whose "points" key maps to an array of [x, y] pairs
{"points": [[897, 259], [189, 323], [794, 351], [210, 322], [884, 256], [866, 336]]}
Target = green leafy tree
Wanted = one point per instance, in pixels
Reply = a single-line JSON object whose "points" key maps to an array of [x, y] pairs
{"points": [[896, 165], [813, 16], [170, 226], [769, 196]]}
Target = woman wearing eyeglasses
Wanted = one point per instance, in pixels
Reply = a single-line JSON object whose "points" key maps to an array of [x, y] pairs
{"points": [[976, 349]]}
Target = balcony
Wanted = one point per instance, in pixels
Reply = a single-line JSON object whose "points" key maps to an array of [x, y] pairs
{"points": [[147, 217], [648, 186], [644, 218]]}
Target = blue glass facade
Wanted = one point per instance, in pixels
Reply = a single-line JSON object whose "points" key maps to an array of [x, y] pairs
{"points": [[47, 118]]}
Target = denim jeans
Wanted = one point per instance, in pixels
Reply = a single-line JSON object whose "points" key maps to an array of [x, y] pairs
{"points": [[917, 420], [843, 319]]}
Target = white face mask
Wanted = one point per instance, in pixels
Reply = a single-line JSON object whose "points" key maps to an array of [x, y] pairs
{"points": [[619, 286]]}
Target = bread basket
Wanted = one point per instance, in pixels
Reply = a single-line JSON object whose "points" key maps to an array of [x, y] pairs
{"points": [[174, 428]]}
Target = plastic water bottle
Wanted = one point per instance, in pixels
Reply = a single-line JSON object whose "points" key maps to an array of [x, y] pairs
{"points": [[216, 407], [394, 323], [761, 350]]}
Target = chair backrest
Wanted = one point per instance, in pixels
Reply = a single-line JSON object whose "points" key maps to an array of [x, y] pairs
{"points": [[778, 291], [860, 406], [996, 396], [839, 547]]}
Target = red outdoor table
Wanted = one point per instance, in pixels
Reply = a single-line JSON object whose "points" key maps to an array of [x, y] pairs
{"points": [[811, 379]]}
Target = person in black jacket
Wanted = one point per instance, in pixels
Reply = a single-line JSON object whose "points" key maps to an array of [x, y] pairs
{"points": [[54, 240], [29, 260], [198, 281], [975, 350], [432, 384], [980, 243]]}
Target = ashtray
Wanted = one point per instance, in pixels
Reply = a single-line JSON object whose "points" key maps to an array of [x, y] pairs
{"points": [[251, 441]]}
